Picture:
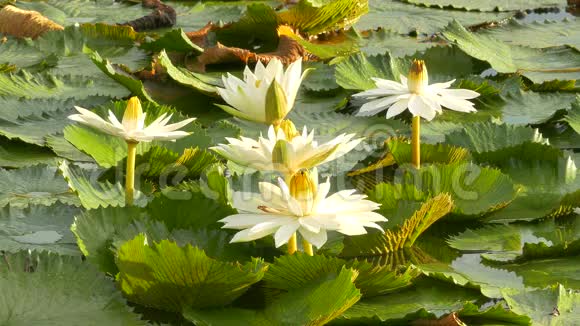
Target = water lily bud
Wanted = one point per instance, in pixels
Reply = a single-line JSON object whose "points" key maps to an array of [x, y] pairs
{"points": [[276, 103], [418, 79], [303, 189], [280, 153], [288, 128], [133, 114]]}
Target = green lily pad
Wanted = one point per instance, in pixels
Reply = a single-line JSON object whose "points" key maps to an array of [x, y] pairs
{"points": [[48, 289], [35, 185], [539, 65], [551, 306], [151, 274]]}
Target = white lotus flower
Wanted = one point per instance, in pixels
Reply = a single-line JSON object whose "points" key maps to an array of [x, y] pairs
{"points": [[302, 208], [132, 127], [285, 152], [247, 98], [416, 94]]}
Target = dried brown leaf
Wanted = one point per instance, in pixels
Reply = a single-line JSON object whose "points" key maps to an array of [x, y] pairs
{"points": [[25, 23], [288, 51]]}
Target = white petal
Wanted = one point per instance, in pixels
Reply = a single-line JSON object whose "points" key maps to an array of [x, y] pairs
{"points": [[418, 107], [247, 235], [456, 104], [311, 224], [377, 106], [316, 239], [284, 233], [459, 93], [389, 84], [244, 221], [397, 108], [439, 86], [404, 81], [379, 92]]}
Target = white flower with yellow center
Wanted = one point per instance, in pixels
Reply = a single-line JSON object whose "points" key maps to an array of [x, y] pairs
{"points": [[302, 207], [132, 127], [253, 98], [415, 94], [285, 150]]}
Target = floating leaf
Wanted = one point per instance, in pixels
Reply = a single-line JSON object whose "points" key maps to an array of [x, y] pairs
{"points": [[38, 227], [493, 237], [16, 154], [316, 304], [356, 71], [475, 190], [69, 47], [293, 272], [34, 128], [541, 272], [496, 315], [47, 289], [19, 53], [573, 116], [489, 137], [340, 45], [428, 299], [522, 108], [406, 18], [14, 107], [85, 11], [184, 76], [92, 193], [44, 86], [35, 185], [166, 276], [551, 306], [381, 41], [134, 85], [539, 34], [490, 5], [539, 65], [172, 41], [404, 236], [189, 209], [315, 16]]}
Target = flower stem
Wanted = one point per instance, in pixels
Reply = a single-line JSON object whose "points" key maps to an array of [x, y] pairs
{"points": [[307, 247], [130, 175], [292, 245], [416, 142]]}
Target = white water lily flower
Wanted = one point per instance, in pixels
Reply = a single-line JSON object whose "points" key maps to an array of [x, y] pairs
{"points": [[132, 127], [284, 152], [304, 208], [415, 94], [247, 98]]}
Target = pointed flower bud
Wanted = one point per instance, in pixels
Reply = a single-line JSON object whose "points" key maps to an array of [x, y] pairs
{"points": [[288, 128], [418, 77], [133, 114], [303, 189], [280, 153], [276, 103]]}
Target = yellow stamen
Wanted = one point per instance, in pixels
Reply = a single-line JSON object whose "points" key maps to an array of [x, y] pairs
{"points": [[418, 78], [133, 114]]}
